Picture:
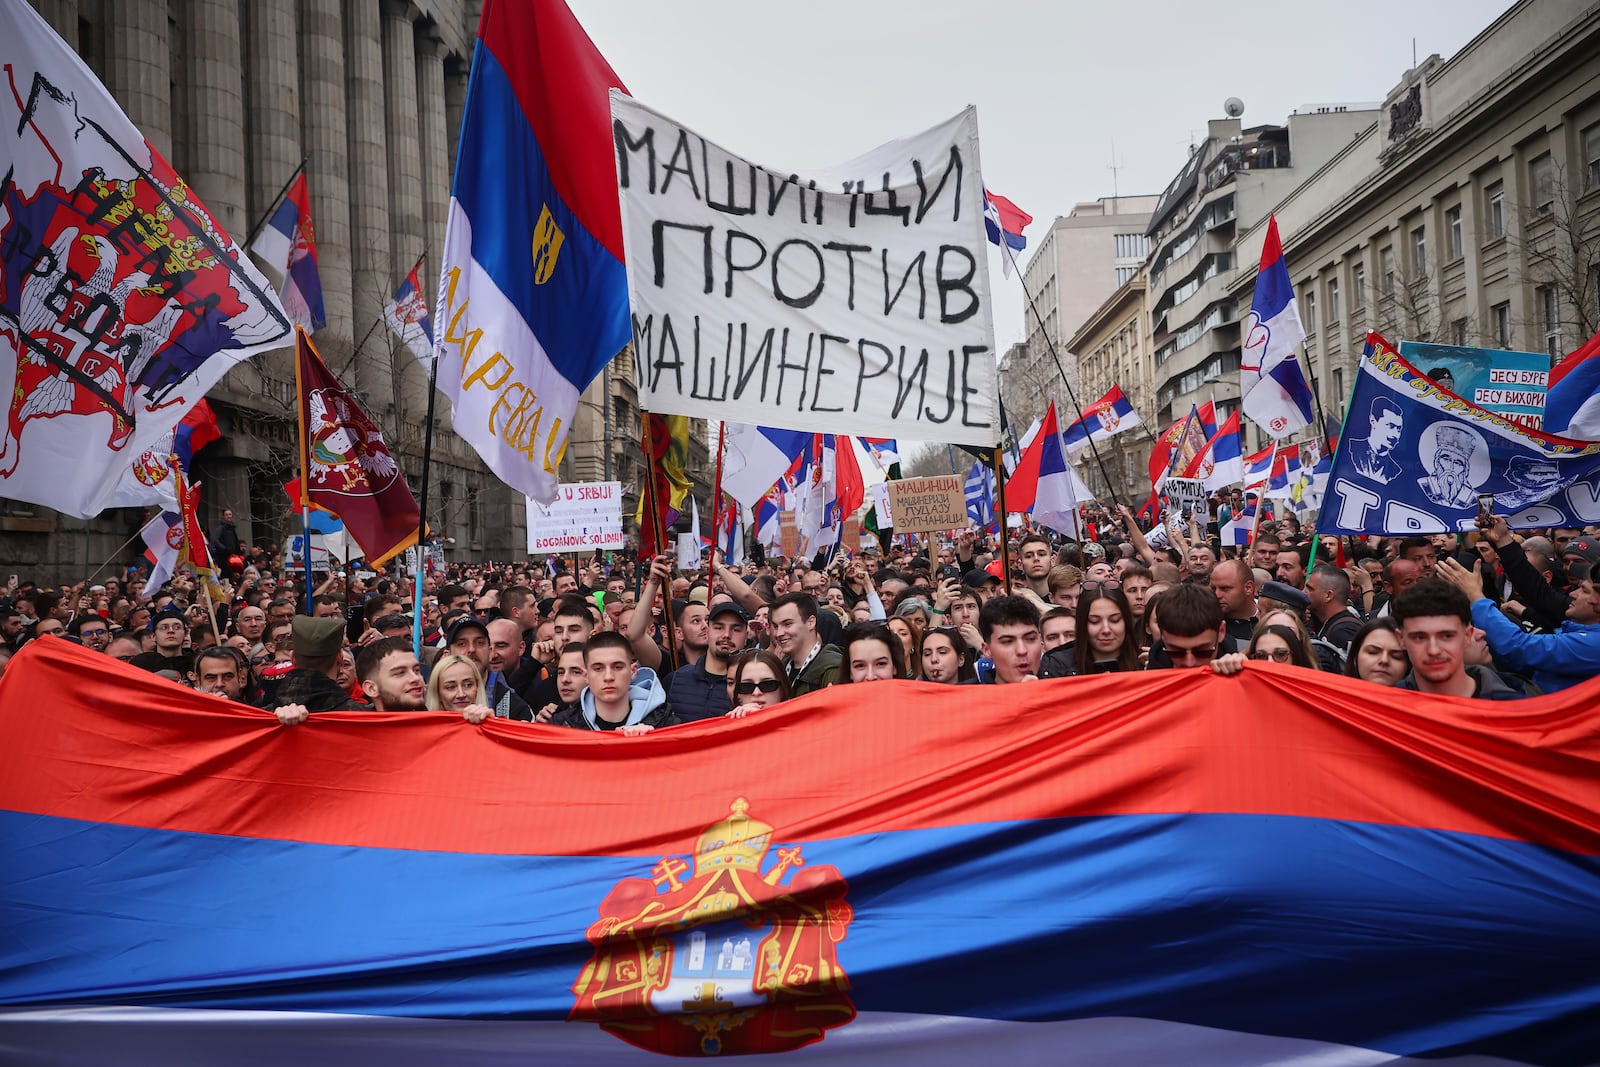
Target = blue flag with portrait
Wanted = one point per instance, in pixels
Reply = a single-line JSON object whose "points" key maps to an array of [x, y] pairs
{"points": [[1415, 458]]}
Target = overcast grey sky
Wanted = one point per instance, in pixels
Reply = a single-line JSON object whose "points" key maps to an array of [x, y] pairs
{"points": [[1057, 84]]}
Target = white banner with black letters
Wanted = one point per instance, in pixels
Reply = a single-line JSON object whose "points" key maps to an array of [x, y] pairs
{"points": [[850, 301]]}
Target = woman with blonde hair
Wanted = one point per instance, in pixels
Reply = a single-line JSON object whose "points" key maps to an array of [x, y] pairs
{"points": [[456, 685]]}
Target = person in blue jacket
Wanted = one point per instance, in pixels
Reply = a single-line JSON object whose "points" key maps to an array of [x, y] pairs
{"points": [[1568, 657]]}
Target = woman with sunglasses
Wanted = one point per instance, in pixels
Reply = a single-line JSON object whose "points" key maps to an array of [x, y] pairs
{"points": [[1106, 640], [872, 653], [758, 681], [1280, 644], [945, 657]]}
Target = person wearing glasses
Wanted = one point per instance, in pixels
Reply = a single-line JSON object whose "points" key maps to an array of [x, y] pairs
{"points": [[92, 630], [945, 657], [1192, 629], [758, 680], [1279, 644]]}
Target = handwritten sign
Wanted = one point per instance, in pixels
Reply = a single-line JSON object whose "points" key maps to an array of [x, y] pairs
{"points": [[880, 502], [855, 301], [1187, 492], [923, 505], [788, 535], [584, 515]]}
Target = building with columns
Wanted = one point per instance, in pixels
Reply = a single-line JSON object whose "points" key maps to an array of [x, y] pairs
{"points": [[369, 95], [1467, 213]]}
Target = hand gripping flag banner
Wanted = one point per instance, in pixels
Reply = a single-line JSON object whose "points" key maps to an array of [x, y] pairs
{"points": [[407, 318], [288, 243], [1109, 415], [122, 301], [852, 301], [1272, 387], [533, 299], [1572, 398], [348, 468], [1285, 866], [1415, 458]]}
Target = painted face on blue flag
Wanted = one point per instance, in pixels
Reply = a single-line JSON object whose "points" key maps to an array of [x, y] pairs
{"points": [[1386, 432]]}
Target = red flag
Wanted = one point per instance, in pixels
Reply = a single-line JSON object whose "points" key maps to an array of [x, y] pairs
{"points": [[346, 467], [194, 551], [848, 485]]}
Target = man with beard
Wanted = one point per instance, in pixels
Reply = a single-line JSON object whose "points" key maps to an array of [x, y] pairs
{"points": [[1449, 481], [311, 685], [470, 637], [390, 675], [700, 690]]}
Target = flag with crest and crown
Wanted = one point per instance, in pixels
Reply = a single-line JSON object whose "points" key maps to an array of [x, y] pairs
{"points": [[346, 466], [122, 300], [289, 245], [406, 315], [1109, 415]]}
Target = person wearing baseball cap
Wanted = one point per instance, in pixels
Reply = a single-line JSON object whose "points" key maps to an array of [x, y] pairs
{"points": [[985, 583], [699, 690]]}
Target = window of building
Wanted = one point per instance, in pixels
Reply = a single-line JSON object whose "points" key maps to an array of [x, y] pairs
{"points": [[1500, 319], [1358, 285], [1542, 182], [1333, 300], [1308, 307], [1131, 245], [1124, 273], [1494, 204], [1549, 303], [1386, 268], [1458, 332], [1591, 158], [1338, 388], [1452, 232], [1419, 251]]}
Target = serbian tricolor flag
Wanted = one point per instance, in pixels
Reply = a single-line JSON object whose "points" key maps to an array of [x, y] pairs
{"points": [[532, 269], [1572, 402], [1005, 222], [1258, 466], [346, 467], [1285, 471], [1272, 385], [406, 315], [755, 457], [1109, 415], [1281, 867], [1221, 462], [1182, 443], [288, 245]]}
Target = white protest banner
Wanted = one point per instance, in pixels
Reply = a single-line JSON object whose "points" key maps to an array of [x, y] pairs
{"points": [[849, 301], [584, 515], [1187, 492], [880, 501]]}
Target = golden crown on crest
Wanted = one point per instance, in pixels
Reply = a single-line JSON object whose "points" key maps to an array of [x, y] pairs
{"points": [[737, 842]]}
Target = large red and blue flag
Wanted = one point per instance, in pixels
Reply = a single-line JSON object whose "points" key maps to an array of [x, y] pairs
{"points": [[533, 295], [1109, 415], [1004, 222], [1572, 400], [1181, 868]]}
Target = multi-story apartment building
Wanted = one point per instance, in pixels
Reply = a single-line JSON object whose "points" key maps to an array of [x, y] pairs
{"points": [[1468, 213]]}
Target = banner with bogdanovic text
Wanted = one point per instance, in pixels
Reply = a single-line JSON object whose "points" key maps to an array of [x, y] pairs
{"points": [[1156, 868], [1414, 459], [584, 516], [850, 301]]}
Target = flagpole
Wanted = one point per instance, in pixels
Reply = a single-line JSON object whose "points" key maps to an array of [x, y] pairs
{"points": [[716, 512], [117, 552], [1088, 434], [305, 460], [422, 508], [659, 534], [1000, 506], [255, 231]]}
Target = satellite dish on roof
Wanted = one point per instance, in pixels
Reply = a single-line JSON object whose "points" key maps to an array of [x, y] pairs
{"points": [[1233, 107]]}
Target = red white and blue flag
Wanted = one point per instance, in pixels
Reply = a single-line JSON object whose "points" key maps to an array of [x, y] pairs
{"points": [[1005, 222], [1109, 415], [1272, 384], [1258, 466], [754, 458], [406, 315], [1221, 464], [1572, 400], [1285, 471], [1181, 444], [1060, 491], [1285, 866], [288, 244], [533, 294], [122, 300]]}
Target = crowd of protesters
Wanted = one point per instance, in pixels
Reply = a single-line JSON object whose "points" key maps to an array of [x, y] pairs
{"points": [[616, 644]]}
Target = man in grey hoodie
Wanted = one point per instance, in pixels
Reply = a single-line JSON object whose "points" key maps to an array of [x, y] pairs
{"points": [[621, 695]]}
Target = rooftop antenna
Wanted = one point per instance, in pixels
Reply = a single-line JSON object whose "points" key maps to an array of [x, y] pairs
{"points": [[1113, 168]]}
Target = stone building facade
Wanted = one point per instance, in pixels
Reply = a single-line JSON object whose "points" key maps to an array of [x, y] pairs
{"points": [[1467, 213], [1113, 348], [369, 95]]}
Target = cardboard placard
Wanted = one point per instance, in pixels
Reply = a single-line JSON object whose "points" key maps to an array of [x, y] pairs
{"points": [[924, 505], [788, 535]]}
